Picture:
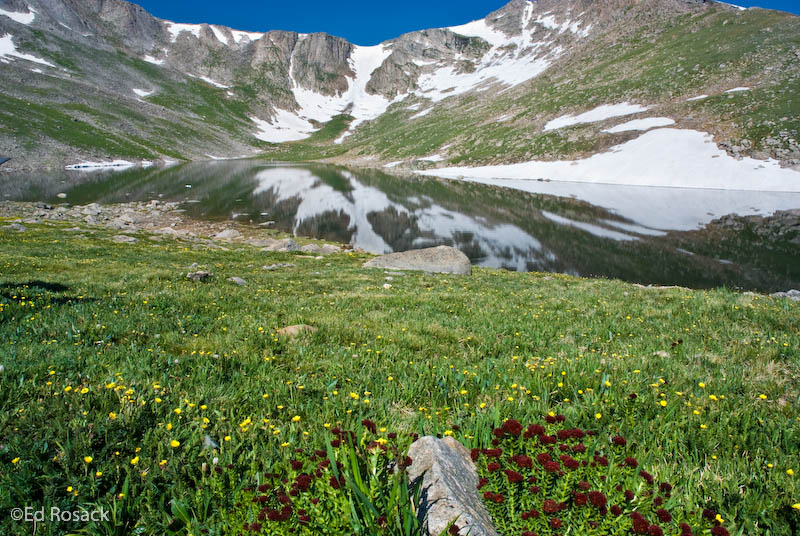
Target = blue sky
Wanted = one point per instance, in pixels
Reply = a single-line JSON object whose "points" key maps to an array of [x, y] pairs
{"points": [[359, 21]]}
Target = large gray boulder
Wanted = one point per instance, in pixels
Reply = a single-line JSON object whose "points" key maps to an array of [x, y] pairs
{"points": [[441, 259], [449, 487]]}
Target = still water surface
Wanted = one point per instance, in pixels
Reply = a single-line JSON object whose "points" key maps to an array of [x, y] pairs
{"points": [[639, 234]]}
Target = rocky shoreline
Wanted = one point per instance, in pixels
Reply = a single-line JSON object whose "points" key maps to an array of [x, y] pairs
{"points": [[159, 219]]}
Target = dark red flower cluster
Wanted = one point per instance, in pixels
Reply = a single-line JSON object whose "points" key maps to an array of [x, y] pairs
{"points": [[619, 441], [494, 497], [513, 476]]}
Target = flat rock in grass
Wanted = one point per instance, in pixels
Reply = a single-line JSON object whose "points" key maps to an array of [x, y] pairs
{"points": [[18, 227], [198, 276], [441, 259], [124, 239], [237, 280], [449, 487], [228, 234], [294, 331], [325, 249], [273, 267], [287, 244]]}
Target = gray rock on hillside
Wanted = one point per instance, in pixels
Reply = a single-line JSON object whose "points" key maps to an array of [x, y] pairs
{"points": [[449, 487], [285, 245], [793, 295], [228, 234], [441, 259]]}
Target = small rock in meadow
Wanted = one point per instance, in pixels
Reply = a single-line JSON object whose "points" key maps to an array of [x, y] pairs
{"points": [[209, 443], [325, 249], [387, 286], [237, 280], [228, 234], [2, 368], [61, 196], [441, 259], [18, 227], [661, 353], [793, 295], [287, 244], [167, 231], [198, 276], [124, 239], [44, 206], [278, 266], [294, 331]]}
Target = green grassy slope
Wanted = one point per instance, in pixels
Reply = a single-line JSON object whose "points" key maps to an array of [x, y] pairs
{"points": [[109, 352]]}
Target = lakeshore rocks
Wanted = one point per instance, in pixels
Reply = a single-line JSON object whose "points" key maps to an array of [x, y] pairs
{"points": [[294, 331], [449, 487], [793, 295], [441, 259], [198, 276]]}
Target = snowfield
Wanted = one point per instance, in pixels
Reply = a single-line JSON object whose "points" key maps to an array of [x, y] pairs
{"points": [[22, 18], [8, 49], [601, 113], [661, 157]]}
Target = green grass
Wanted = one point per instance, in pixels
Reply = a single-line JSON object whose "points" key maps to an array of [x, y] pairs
{"points": [[428, 353]]}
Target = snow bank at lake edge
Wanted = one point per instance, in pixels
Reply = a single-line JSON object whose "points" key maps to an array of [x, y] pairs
{"points": [[666, 157]]}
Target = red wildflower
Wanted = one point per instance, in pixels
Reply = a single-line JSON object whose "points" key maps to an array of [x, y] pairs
{"points": [[655, 530], [647, 476], [512, 427], [552, 467], [513, 476], [597, 499], [719, 530], [631, 462], [482, 482], [493, 466], [616, 510], [581, 499], [555, 523], [523, 461], [663, 515], [619, 441], [550, 507]]}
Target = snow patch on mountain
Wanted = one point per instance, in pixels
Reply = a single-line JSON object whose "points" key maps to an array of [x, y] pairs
{"points": [[8, 49], [155, 61], [22, 18], [661, 157], [175, 29], [641, 124], [142, 92], [510, 61], [285, 126], [239, 35], [601, 113]]}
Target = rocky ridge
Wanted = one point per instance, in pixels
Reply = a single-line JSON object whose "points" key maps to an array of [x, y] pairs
{"points": [[104, 78]]}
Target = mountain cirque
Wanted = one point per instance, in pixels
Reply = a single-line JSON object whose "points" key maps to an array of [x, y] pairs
{"points": [[533, 81]]}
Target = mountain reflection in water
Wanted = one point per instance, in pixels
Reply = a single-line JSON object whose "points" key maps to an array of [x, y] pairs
{"points": [[637, 234]]}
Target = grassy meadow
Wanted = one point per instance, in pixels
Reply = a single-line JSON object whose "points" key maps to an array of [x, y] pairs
{"points": [[167, 401]]}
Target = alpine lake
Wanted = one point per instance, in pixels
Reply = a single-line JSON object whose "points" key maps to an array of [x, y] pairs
{"points": [[653, 236]]}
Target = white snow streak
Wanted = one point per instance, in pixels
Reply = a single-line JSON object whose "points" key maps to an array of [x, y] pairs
{"points": [[238, 35], [697, 98], [601, 113], [143, 92], [285, 126], [176, 29], [641, 124], [151, 59], [7, 49], [22, 18]]}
